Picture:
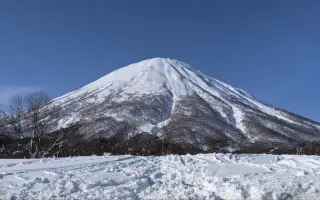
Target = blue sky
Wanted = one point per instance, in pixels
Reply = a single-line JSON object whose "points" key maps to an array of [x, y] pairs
{"points": [[269, 48]]}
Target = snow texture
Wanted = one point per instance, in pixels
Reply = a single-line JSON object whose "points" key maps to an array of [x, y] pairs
{"points": [[202, 176]]}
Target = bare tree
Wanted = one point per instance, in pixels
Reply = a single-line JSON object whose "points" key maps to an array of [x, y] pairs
{"points": [[27, 118], [38, 114], [2, 120], [11, 117]]}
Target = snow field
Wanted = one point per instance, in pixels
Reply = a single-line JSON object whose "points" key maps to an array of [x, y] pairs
{"points": [[203, 176]]}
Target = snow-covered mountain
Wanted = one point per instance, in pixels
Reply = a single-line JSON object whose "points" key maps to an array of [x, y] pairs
{"points": [[170, 100]]}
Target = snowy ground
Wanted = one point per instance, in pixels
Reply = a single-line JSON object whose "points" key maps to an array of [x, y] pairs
{"points": [[203, 176]]}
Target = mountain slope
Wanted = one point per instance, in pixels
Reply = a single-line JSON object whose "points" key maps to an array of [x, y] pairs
{"points": [[170, 100]]}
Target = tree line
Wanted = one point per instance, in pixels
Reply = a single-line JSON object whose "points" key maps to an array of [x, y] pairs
{"points": [[26, 119]]}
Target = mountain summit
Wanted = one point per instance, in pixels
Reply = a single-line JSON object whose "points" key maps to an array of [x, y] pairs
{"points": [[169, 100]]}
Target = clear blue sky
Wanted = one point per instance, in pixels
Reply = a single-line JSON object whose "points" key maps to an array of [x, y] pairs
{"points": [[269, 48]]}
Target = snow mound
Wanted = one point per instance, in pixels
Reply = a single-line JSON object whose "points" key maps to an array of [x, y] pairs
{"points": [[203, 176]]}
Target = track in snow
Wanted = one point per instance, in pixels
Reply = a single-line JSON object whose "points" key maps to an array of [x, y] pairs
{"points": [[203, 176]]}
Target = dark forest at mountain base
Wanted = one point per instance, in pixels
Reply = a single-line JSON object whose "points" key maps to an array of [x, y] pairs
{"points": [[138, 145]]}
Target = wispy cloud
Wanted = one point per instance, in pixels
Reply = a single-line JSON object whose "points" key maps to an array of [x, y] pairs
{"points": [[7, 92]]}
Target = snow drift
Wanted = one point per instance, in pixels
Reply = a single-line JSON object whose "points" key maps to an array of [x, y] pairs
{"points": [[203, 176]]}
